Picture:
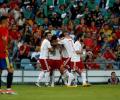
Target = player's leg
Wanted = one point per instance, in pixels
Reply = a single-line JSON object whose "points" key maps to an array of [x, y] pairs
{"points": [[52, 68], [70, 79], [10, 70], [0, 80], [83, 72], [63, 71], [44, 65], [52, 78], [2, 67], [40, 77], [67, 75], [47, 78], [74, 71]]}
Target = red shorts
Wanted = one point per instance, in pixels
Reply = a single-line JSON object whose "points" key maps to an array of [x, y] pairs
{"points": [[55, 64], [66, 62], [77, 65], [44, 64]]}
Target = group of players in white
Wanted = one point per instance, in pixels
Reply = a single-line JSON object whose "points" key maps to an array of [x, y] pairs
{"points": [[64, 55]]}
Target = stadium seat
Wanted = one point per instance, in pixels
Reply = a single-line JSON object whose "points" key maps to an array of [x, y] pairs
{"points": [[26, 64]]}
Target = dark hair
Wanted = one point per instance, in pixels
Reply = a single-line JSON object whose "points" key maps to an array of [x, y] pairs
{"points": [[46, 33], [79, 36], [61, 35], [54, 37], [3, 18], [112, 73]]}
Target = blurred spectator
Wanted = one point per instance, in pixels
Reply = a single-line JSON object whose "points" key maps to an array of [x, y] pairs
{"points": [[110, 57], [97, 20], [88, 41], [90, 61], [24, 51], [35, 56], [101, 61], [118, 53], [113, 80]]}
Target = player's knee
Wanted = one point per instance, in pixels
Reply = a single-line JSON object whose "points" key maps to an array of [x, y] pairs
{"points": [[62, 69], [0, 71], [10, 70]]}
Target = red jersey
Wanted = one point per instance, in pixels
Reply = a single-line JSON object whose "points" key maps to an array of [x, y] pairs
{"points": [[117, 34], [89, 42], [26, 52], [14, 35], [109, 55], [3, 33]]}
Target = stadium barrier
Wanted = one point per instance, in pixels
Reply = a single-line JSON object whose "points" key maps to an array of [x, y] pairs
{"points": [[30, 76]]}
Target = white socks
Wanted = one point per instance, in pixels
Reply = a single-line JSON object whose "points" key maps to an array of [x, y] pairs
{"points": [[53, 79], [41, 74], [47, 78], [83, 75], [70, 77], [64, 77], [75, 76]]}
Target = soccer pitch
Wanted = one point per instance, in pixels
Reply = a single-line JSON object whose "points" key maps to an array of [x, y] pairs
{"points": [[95, 92]]}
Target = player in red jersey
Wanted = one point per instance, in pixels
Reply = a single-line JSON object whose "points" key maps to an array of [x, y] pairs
{"points": [[4, 60]]}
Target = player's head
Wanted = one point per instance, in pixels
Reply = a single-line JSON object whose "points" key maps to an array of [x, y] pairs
{"points": [[54, 40], [4, 21], [79, 37], [113, 74], [65, 33], [48, 35], [61, 36], [54, 37]]}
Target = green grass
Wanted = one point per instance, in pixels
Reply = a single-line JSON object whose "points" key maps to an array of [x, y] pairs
{"points": [[95, 92]]}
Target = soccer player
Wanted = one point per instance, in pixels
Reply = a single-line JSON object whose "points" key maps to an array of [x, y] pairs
{"points": [[44, 57], [4, 61], [55, 59], [68, 44], [76, 61]]}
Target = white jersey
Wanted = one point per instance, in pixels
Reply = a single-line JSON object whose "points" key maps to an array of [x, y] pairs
{"points": [[55, 55], [77, 47], [45, 49], [69, 46], [64, 53]]}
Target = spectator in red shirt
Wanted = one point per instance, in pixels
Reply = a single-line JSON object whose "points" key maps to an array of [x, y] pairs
{"points": [[110, 56], [81, 25], [117, 32], [88, 41], [90, 61], [93, 28], [24, 51], [14, 34]]}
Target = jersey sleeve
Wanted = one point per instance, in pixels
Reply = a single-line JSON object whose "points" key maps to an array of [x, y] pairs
{"points": [[61, 41], [49, 45], [77, 46]]}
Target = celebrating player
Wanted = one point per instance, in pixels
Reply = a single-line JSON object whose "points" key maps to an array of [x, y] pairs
{"points": [[76, 61], [68, 44], [44, 57]]}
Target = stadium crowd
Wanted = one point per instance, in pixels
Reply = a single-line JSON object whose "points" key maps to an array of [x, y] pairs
{"points": [[97, 20]]}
